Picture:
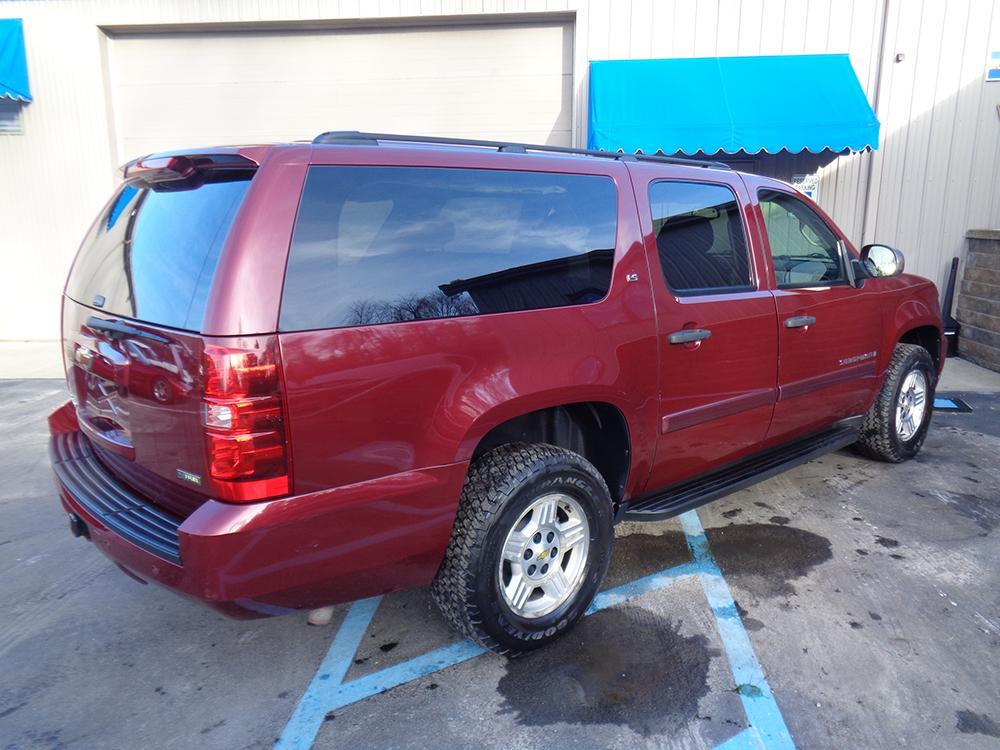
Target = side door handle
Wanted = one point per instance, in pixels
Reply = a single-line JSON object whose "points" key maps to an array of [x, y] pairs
{"points": [[689, 335], [799, 321]]}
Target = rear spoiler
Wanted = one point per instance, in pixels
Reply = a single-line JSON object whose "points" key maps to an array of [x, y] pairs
{"points": [[170, 167]]}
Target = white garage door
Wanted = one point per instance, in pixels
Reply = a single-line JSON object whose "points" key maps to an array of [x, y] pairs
{"points": [[176, 90]]}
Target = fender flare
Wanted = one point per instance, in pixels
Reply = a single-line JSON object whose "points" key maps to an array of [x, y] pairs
{"points": [[528, 403]]}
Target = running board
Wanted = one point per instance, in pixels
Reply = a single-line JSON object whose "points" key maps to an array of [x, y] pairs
{"points": [[677, 498]]}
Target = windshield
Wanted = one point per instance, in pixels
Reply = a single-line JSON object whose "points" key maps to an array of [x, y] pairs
{"points": [[153, 254]]}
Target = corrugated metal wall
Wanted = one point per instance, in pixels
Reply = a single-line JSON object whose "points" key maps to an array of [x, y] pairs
{"points": [[936, 173], [933, 178]]}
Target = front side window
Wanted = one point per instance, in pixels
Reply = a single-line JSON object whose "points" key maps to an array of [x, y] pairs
{"points": [[805, 251], [391, 244], [699, 237]]}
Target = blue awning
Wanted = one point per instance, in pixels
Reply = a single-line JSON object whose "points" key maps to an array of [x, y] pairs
{"points": [[13, 65], [711, 104]]}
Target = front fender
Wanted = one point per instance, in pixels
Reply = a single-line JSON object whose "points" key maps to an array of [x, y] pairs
{"points": [[914, 313], [908, 307]]}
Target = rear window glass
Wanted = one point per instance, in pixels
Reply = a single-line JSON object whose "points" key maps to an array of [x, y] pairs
{"points": [[390, 244], [153, 253]]}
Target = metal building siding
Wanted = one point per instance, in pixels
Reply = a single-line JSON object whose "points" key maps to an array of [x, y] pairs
{"points": [[55, 177], [935, 175], [933, 179]]}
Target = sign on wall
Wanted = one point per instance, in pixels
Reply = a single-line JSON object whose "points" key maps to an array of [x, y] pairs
{"points": [[993, 66], [807, 183]]}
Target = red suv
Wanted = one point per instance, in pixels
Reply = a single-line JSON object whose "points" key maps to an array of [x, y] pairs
{"points": [[303, 374]]}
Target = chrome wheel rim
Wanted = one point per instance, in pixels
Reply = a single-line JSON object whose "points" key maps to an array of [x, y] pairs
{"points": [[911, 405], [544, 556]]}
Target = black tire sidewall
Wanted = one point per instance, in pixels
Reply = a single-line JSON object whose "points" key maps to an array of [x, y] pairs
{"points": [[918, 360], [518, 633]]}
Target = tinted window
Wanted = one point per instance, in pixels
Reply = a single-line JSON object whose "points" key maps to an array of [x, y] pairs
{"points": [[152, 255], [389, 244], [803, 247], [699, 237]]}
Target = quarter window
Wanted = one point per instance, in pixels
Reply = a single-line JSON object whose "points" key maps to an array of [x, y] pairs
{"points": [[805, 251], [699, 237], [390, 244]]}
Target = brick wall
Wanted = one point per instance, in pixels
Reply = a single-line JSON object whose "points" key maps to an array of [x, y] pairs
{"points": [[979, 299]]}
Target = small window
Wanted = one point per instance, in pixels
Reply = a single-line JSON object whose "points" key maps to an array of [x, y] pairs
{"points": [[699, 237], [10, 116], [391, 244], [805, 251]]}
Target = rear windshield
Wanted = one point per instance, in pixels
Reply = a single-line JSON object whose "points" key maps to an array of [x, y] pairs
{"points": [[391, 244], [153, 254]]}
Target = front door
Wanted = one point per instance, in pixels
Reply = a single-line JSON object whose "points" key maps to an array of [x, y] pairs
{"points": [[828, 330], [715, 318]]}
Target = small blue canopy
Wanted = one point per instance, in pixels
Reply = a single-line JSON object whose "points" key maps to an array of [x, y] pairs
{"points": [[710, 104], [13, 64]]}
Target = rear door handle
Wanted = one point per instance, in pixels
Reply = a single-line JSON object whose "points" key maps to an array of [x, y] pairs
{"points": [[689, 335], [799, 321]]}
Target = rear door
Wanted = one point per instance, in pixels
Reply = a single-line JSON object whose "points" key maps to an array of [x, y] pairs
{"points": [[134, 303], [715, 319], [828, 330]]}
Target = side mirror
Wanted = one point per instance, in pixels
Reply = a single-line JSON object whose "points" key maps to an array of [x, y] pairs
{"points": [[882, 260]]}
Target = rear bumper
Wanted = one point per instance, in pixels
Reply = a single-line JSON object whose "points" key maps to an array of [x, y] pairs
{"points": [[268, 558]]}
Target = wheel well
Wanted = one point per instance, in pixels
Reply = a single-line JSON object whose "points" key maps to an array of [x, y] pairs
{"points": [[929, 338], [595, 430]]}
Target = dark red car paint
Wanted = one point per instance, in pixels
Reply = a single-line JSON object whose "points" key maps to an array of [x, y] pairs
{"points": [[383, 420]]}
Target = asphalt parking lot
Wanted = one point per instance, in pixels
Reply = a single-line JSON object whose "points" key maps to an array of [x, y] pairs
{"points": [[843, 604]]}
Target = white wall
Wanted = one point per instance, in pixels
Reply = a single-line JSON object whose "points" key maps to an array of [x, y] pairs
{"points": [[932, 179], [57, 174], [935, 174]]}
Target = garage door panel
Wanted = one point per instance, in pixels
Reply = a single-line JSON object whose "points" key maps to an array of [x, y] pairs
{"points": [[506, 103], [512, 82], [340, 55]]}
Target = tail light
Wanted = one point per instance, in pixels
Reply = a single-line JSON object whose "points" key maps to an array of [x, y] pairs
{"points": [[243, 419]]}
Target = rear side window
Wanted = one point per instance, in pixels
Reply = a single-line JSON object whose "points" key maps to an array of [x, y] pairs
{"points": [[804, 249], [699, 237], [390, 244], [152, 255]]}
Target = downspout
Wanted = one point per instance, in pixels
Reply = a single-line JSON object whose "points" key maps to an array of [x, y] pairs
{"points": [[875, 103]]}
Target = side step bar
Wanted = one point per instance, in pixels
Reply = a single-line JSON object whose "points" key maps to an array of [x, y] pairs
{"points": [[691, 493]]}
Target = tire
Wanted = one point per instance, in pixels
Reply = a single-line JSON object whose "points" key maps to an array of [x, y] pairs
{"points": [[472, 587], [881, 437]]}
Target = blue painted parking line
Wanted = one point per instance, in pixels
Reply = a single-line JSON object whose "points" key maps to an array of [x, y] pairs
{"points": [[951, 404], [758, 700], [628, 591], [748, 739], [305, 722], [327, 691]]}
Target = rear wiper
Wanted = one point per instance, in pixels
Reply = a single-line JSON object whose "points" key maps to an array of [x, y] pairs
{"points": [[115, 328]]}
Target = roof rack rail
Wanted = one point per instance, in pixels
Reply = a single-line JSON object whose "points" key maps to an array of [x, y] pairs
{"points": [[356, 138]]}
